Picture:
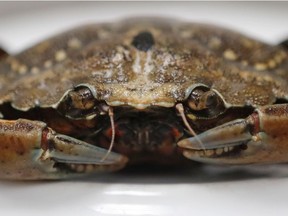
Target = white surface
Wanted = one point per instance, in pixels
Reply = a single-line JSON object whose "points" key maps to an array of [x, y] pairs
{"points": [[201, 191]]}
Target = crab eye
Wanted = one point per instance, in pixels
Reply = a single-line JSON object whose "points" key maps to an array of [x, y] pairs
{"points": [[194, 99], [205, 102], [82, 99], [79, 103], [211, 100]]}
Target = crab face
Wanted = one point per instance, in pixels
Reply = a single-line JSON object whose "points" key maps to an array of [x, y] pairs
{"points": [[140, 87]]}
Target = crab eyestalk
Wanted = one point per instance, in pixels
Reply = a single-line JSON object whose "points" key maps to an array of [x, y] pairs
{"points": [[260, 138]]}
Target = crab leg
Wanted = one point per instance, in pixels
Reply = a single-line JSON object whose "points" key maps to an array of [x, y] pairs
{"points": [[3, 53], [285, 44], [31, 150], [260, 138]]}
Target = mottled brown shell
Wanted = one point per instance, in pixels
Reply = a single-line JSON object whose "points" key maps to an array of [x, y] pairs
{"points": [[180, 55]]}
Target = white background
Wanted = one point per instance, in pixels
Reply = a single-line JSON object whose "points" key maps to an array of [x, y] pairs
{"points": [[206, 190]]}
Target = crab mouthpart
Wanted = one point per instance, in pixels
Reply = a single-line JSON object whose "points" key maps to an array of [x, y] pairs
{"points": [[142, 135], [224, 140]]}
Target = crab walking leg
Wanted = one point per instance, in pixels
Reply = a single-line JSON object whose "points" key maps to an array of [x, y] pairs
{"points": [[31, 150], [285, 44], [264, 135], [3, 53]]}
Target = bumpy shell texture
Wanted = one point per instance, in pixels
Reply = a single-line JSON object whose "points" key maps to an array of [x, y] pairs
{"points": [[145, 62]]}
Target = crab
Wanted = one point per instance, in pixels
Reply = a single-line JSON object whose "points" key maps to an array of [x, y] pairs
{"points": [[102, 97]]}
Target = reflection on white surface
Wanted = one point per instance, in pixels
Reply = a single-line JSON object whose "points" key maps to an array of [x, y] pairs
{"points": [[130, 209], [200, 192], [132, 193], [126, 199]]}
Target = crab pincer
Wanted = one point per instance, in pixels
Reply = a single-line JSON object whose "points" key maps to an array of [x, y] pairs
{"points": [[260, 138], [29, 150]]}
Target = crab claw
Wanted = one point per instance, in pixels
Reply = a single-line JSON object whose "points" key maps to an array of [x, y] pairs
{"points": [[230, 134], [71, 156], [69, 150], [260, 138], [31, 150]]}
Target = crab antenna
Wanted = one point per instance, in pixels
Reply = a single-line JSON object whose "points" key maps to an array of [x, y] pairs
{"points": [[111, 116], [180, 109]]}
